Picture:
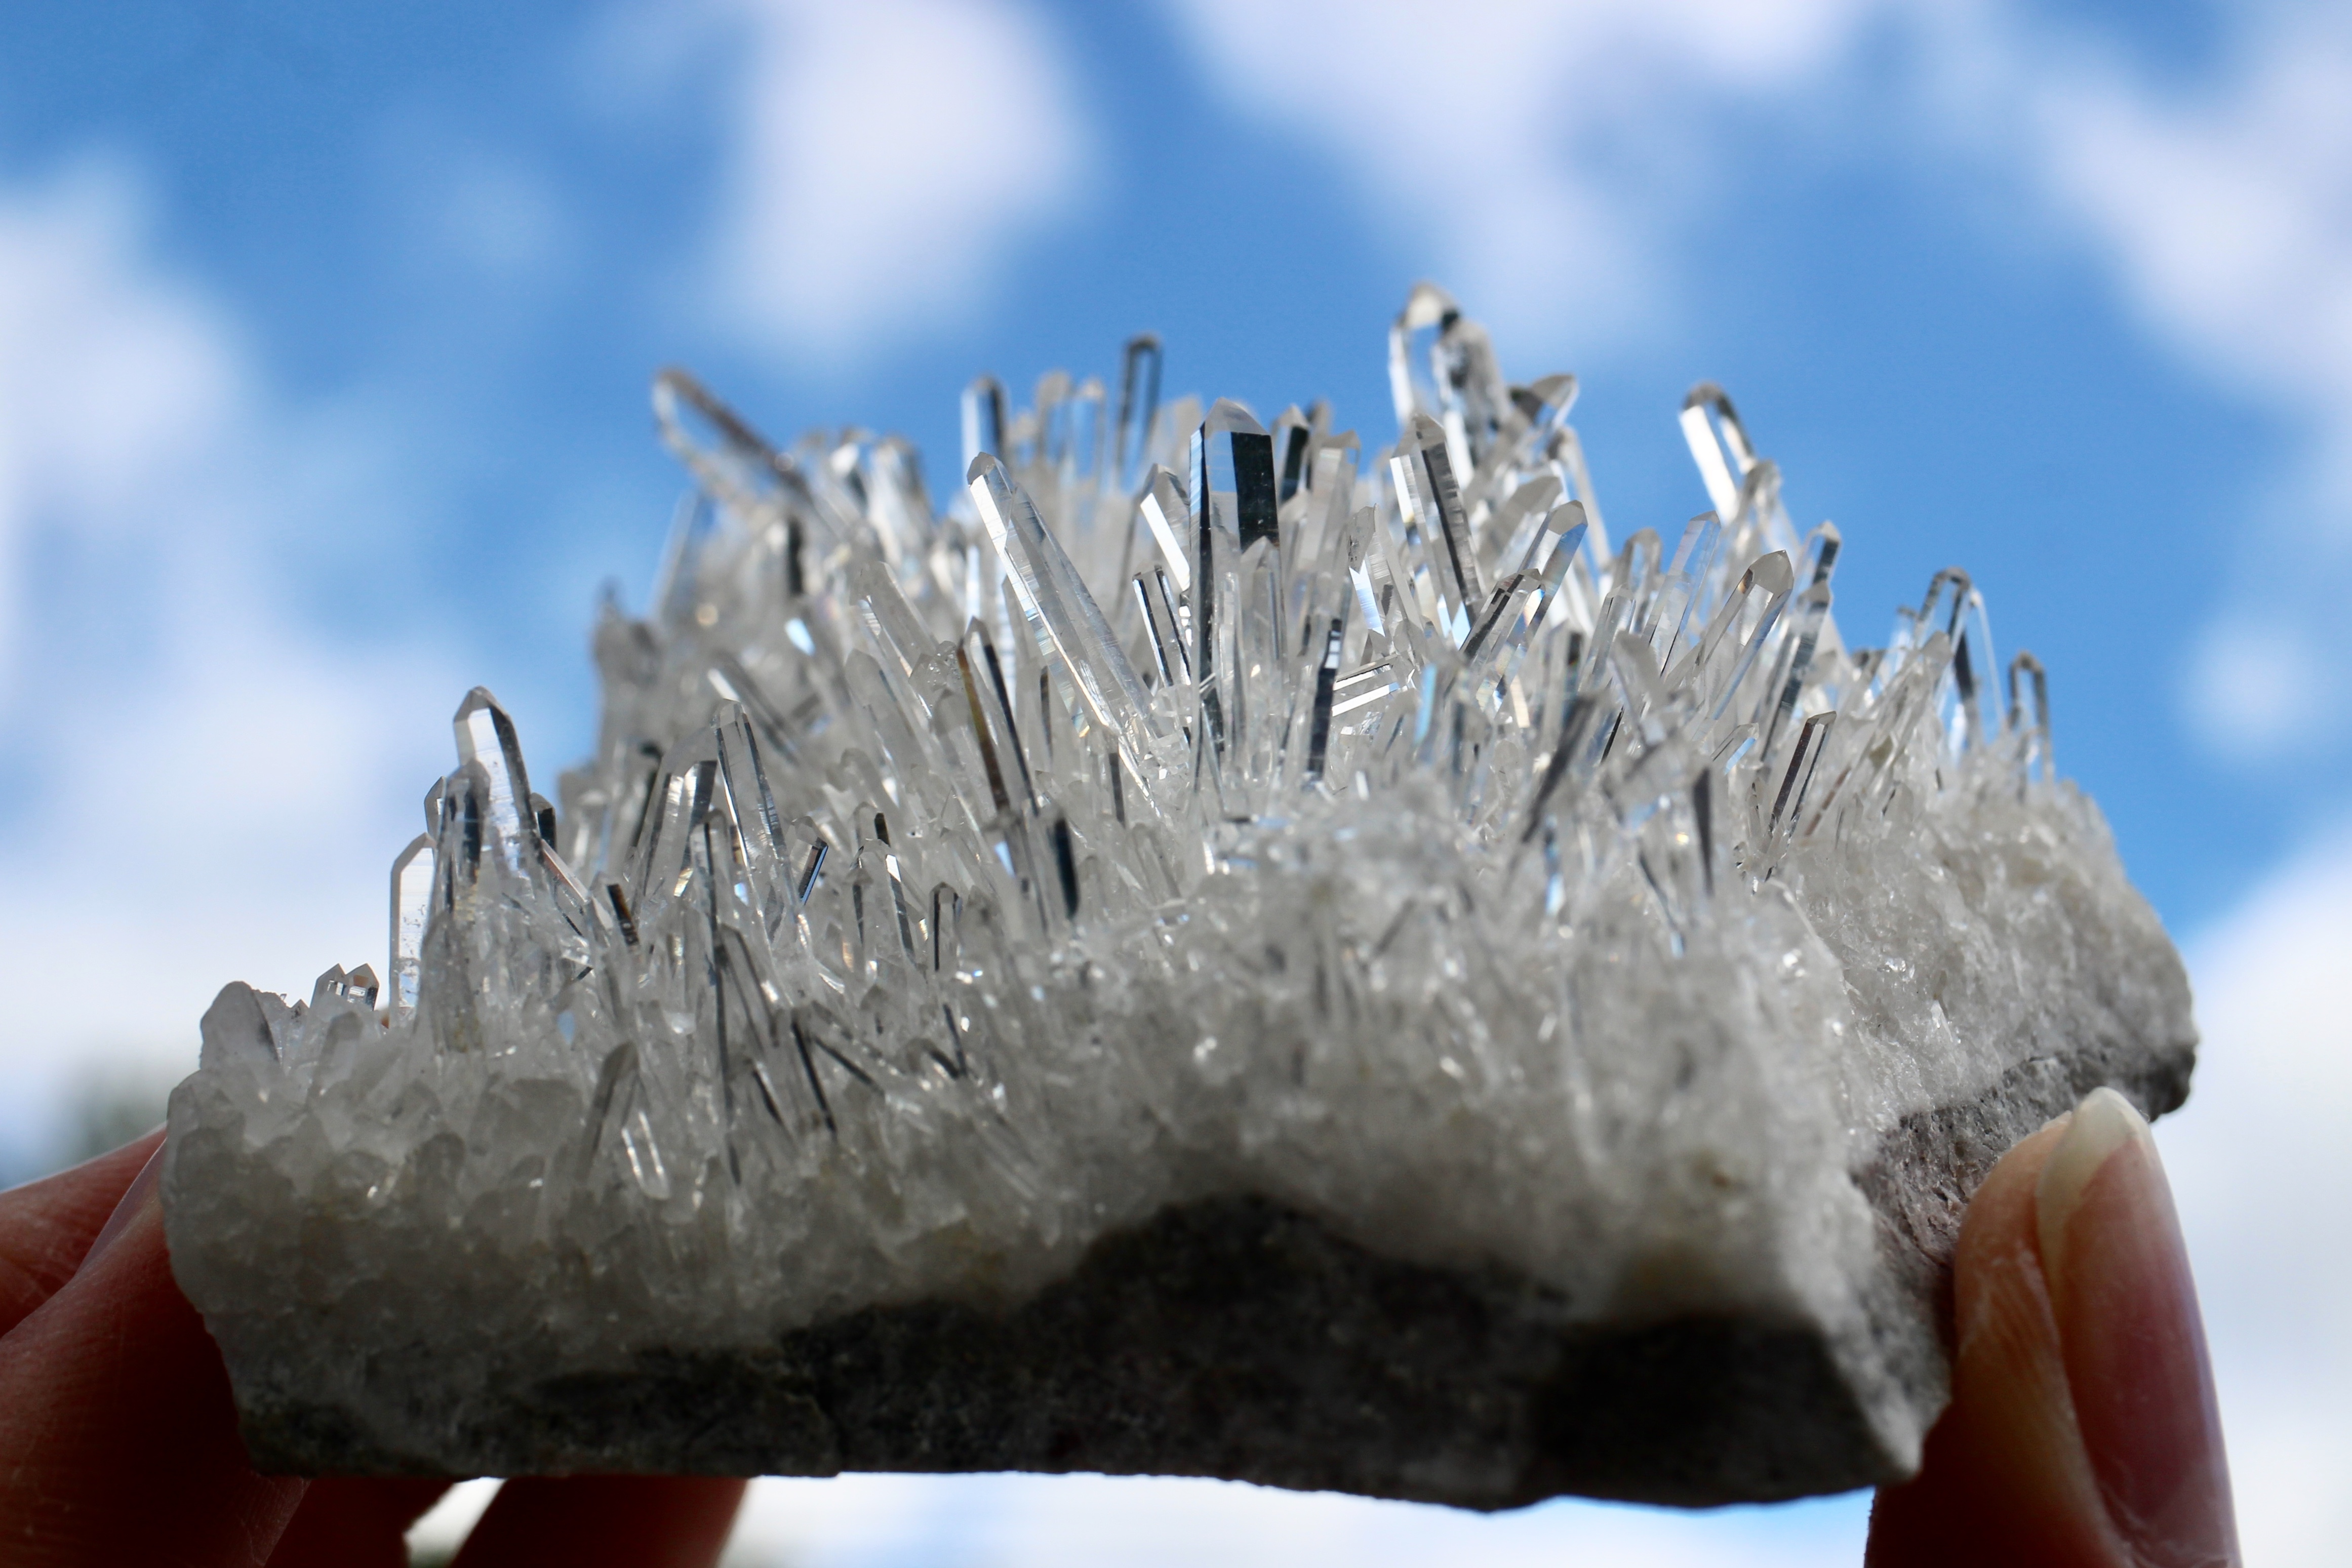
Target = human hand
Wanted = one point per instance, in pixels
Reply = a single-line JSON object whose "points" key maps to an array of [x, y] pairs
{"points": [[2083, 1431], [118, 1436]]}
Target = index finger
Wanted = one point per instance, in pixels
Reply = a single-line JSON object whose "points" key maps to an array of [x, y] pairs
{"points": [[46, 1225], [118, 1438]]}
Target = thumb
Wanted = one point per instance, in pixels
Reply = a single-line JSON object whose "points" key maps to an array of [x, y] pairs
{"points": [[2083, 1431]]}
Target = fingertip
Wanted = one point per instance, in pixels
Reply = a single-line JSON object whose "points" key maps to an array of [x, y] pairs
{"points": [[2004, 1476], [606, 1522], [345, 1523], [2133, 1340], [2092, 1135]]}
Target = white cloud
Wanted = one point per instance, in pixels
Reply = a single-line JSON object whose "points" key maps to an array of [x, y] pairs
{"points": [[883, 160], [2252, 687], [1552, 157], [495, 215], [108, 379], [198, 788], [2258, 1166], [2223, 208], [867, 1521], [2225, 205]]}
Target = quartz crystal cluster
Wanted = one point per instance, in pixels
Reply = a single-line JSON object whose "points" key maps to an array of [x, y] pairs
{"points": [[1197, 856]]}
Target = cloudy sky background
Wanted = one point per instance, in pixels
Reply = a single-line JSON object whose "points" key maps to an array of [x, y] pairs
{"points": [[325, 337]]}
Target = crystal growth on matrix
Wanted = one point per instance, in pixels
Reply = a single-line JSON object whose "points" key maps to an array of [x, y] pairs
{"points": [[1184, 809]]}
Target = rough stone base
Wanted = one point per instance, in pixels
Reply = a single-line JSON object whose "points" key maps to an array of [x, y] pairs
{"points": [[1236, 1338], [1226, 1338]]}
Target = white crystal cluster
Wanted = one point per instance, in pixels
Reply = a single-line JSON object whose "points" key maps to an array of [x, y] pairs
{"points": [[1190, 806]]}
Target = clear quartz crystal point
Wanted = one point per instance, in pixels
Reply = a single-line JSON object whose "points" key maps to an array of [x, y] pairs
{"points": [[984, 419], [1063, 612], [242, 1026], [1719, 445], [1430, 501], [486, 737], [1231, 493], [1168, 514], [1232, 481], [1183, 811], [1545, 403], [1138, 405], [413, 890], [1413, 350]]}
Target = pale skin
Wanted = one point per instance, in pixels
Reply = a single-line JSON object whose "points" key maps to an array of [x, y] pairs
{"points": [[2082, 1434]]}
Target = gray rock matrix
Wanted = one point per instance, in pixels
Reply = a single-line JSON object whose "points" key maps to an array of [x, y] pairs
{"points": [[1206, 955]]}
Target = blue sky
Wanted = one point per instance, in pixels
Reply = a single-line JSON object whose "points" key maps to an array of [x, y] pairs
{"points": [[324, 336], [464, 243]]}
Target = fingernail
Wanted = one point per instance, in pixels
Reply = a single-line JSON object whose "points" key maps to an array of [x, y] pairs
{"points": [[142, 1194], [2132, 1338]]}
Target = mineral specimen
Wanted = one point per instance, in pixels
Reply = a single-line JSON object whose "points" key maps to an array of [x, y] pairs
{"points": [[1218, 953]]}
